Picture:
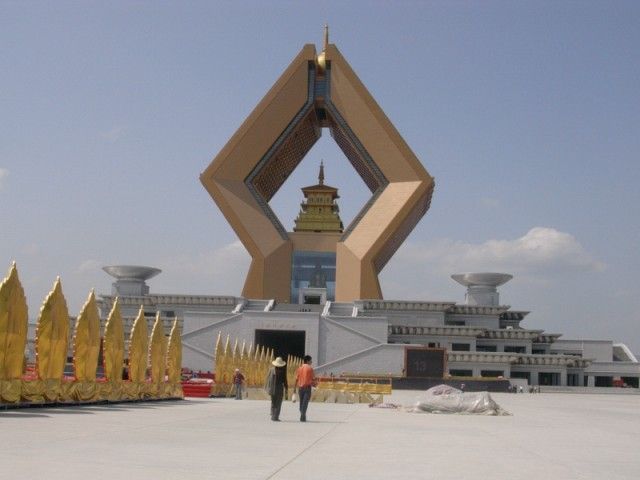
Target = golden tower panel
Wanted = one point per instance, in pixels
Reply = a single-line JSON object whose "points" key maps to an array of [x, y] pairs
{"points": [[86, 341], [174, 354], [138, 348], [52, 335], [13, 326], [157, 351], [113, 345]]}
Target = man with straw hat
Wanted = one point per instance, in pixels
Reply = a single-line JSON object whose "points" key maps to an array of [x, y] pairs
{"points": [[276, 386]]}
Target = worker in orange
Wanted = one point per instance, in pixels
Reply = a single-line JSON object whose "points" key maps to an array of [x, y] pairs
{"points": [[305, 380]]}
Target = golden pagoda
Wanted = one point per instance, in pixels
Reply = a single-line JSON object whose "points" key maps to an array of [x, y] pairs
{"points": [[319, 210]]}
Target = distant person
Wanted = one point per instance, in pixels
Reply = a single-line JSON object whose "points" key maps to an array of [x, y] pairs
{"points": [[238, 381], [305, 379], [276, 386]]}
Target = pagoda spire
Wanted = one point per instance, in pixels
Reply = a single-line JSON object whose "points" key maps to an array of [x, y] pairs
{"points": [[319, 210], [326, 37]]}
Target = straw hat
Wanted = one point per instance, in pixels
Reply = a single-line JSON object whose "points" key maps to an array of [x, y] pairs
{"points": [[278, 362]]}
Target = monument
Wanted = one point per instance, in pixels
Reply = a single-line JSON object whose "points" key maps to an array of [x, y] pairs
{"points": [[318, 92]]}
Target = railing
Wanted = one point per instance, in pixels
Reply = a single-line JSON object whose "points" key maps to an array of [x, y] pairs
{"points": [[374, 385]]}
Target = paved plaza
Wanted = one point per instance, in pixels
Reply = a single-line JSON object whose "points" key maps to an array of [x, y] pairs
{"points": [[549, 436]]}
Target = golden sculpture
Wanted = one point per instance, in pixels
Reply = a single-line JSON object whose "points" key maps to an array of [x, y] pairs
{"points": [[225, 362], [247, 366], [13, 336], [47, 382], [86, 350], [254, 362], [113, 345], [242, 358], [174, 355], [254, 365], [86, 341], [157, 351], [13, 326], [52, 335], [138, 349]]}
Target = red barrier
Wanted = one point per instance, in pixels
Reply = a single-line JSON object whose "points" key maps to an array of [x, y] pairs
{"points": [[202, 390]]}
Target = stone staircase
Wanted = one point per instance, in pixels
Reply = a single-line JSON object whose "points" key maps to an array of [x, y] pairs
{"points": [[341, 309], [256, 305]]}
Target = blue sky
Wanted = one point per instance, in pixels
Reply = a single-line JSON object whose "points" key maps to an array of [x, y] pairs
{"points": [[526, 113]]}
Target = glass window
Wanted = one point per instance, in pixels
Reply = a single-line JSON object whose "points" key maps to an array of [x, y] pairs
{"points": [[515, 349], [486, 348], [313, 270]]}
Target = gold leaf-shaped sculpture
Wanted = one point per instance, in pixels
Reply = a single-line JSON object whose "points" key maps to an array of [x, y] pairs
{"points": [[86, 341], [217, 358], [235, 353], [174, 354], [249, 365], [157, 351], [13, 326], [52, 335], [138, 348], [226, 345], [221, 370], [113, 345]]}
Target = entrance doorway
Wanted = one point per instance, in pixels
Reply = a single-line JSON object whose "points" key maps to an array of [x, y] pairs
{"points": [[283, 342], [548, 378]]}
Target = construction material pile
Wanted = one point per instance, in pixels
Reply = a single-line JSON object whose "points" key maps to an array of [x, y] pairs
{"points": [[446, 399]]}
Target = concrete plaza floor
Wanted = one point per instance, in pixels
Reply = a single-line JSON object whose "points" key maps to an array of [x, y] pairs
{"points": [[549, 436]]}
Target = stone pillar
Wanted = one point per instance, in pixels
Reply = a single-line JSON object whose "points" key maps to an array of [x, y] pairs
{"points": [[563, 378], [533, 378], [591, 381]]}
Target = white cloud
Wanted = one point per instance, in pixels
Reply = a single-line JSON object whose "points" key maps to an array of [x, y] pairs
{"points": [[114, 134], [227, 257], [490, 202], [222, 271], [4, 173], [30, 249], [541, 249], [90, 266]]}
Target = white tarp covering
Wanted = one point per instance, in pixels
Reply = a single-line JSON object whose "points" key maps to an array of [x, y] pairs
{"points": [[445, 399]]}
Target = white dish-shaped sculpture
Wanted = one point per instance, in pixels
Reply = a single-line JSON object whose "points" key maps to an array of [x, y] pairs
{"points": [[131, 272], [485, 279]]}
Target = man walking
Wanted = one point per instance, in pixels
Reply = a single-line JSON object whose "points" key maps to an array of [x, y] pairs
{"points": [[276, 386], [305, 379]]}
